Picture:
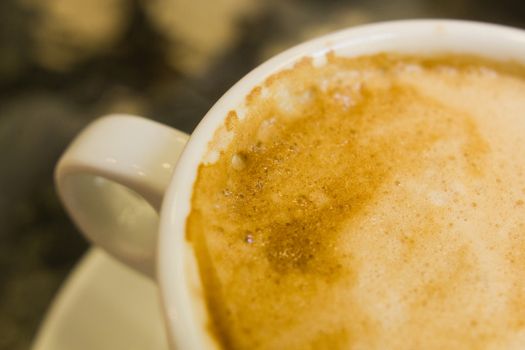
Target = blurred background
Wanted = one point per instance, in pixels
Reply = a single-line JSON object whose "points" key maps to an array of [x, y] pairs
{"points": [[65, 62]]}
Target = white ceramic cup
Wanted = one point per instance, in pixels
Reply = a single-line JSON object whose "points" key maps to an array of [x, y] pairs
{"points": [[116, 174]]}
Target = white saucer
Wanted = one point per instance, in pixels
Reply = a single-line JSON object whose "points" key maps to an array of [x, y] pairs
{"points": [[103, 305]]}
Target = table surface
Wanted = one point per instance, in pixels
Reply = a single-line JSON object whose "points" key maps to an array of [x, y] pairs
{"points": [[64, 63]]}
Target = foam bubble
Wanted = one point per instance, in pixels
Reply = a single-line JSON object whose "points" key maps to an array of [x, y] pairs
{"points": [[238, 161]]}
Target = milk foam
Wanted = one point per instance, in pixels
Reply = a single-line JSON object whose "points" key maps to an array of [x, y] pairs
{"points": [[374, 202]]}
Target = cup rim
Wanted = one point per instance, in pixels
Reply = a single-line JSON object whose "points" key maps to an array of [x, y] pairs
{"points": [[182, 300]]}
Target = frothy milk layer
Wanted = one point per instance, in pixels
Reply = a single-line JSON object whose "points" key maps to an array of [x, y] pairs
{"points": [[371, 203]]}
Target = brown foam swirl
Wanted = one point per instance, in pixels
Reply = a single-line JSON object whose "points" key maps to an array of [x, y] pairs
{"points": [[343, 210]]}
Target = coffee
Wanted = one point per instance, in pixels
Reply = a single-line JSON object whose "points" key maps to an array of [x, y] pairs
{"points": [[371, 202]]}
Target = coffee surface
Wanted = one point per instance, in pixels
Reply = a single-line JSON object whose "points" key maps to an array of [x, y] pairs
{"points": [[370, 203]]}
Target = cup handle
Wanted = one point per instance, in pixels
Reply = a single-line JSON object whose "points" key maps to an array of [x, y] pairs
{"points": [[112, 179]]}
